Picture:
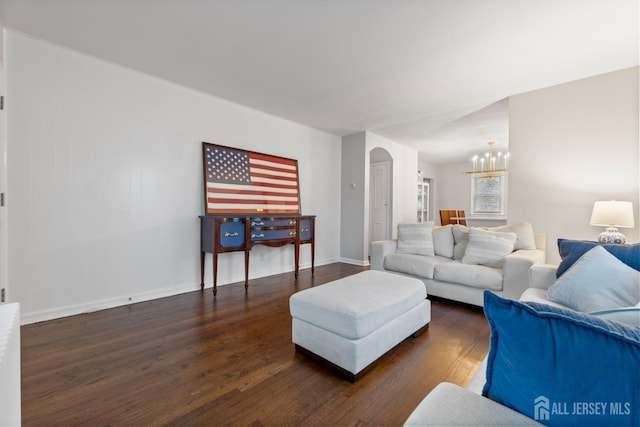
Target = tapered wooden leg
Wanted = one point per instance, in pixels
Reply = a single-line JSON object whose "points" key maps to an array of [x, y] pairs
{"points": [[313, 256], [215, 274], [297, 258], [246, 271], [202, 271]]}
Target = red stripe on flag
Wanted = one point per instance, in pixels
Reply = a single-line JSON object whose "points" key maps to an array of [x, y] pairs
{"points": [[267, 158], [251, 201], [252, 192], [252, 211]]}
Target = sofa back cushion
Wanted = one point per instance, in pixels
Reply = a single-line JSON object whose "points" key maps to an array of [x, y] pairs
{"points": [[460, 239], [443, 241], [524, 232], [415, 239], [560, 366]]}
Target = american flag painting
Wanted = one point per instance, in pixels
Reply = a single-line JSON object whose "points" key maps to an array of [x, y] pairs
{"points": [[246, 182]]}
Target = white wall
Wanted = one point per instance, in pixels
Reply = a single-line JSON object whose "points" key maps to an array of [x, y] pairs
{"points": [[571, 145], [453, 188], [3, 177], [105, 182], [405, 178], [353, 205], [356, 151], [453, 191]]}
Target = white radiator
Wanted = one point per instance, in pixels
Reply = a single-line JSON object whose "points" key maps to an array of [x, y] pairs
{"points": [[10, 410]]}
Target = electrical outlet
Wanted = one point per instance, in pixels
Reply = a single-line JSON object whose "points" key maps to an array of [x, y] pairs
{"points": [[2, 295]]}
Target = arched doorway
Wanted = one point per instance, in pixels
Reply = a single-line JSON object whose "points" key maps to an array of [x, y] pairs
{"points": [[380, 194]]}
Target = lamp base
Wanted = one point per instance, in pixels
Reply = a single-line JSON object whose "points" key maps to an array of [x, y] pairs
{"points": [[612, 235]]}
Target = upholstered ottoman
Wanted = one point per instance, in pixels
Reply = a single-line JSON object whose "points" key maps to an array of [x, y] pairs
{"points": [[353, 321]]}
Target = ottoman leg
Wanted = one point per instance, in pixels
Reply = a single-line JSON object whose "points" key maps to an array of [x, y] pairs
{"points": [[420, 331], [349, 376]]}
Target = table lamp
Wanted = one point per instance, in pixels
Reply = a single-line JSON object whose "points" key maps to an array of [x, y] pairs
{"points": [[612, 214]]}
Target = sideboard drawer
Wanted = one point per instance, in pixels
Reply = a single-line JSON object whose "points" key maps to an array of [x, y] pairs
{"points": [[272, 222], [279, 234], [306, 230], [231, 234]]}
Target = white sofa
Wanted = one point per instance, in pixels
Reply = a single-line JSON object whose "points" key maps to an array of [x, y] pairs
{"points": [[451, 405], [449, 274]]}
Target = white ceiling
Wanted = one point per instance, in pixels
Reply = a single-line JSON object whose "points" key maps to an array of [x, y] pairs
{"points": [[404, 69]]}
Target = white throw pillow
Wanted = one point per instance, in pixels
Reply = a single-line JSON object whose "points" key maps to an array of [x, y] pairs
{"points": [[488, 247], [415, 239], [597, 281], [443, 241], [523, 230]]}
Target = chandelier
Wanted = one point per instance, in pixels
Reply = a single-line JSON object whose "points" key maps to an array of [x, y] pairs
{"points": [[489, 165]]}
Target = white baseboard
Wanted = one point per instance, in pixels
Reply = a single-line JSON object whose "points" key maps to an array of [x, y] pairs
{"points": [[72, 310], [362, 263]]}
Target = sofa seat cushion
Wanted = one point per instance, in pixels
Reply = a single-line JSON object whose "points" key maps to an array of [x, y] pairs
{"points": [[477, 276], [451, 405], [414, 265], [357, 305]]}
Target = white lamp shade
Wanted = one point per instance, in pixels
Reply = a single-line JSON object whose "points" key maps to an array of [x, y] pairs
{"points": [[612, 214]]}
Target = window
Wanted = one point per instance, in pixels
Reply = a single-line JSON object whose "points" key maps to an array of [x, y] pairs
{"points": [[488, 196]]}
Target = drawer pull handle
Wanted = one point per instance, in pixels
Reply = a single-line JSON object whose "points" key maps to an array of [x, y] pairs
{"points": [[227, 234], [292, 233], [304, 230], [257, 223], [292, 222], [254, 236]]}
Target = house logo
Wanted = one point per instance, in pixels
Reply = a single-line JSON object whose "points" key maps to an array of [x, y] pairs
{"points": [[541, 408]]}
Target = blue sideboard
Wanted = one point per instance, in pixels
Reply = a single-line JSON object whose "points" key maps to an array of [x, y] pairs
{"points": [[220, 234]]}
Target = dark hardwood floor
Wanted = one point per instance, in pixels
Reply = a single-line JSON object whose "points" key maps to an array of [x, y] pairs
{"points": [[192, 360]]}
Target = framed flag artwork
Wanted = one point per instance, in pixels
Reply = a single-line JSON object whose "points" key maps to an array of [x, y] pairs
{"points": [[245, 182]]}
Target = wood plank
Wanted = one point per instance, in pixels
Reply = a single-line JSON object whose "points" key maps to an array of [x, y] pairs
{"points": [[195, 360]]}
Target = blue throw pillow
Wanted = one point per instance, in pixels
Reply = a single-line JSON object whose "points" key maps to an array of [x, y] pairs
{"points": [[571, 250], [562, 367]]}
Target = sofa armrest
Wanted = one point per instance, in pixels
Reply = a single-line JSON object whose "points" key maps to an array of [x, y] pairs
{"points": [[542, 276], [516, 271], [541, 240], [380, 249], [451, 405]]}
